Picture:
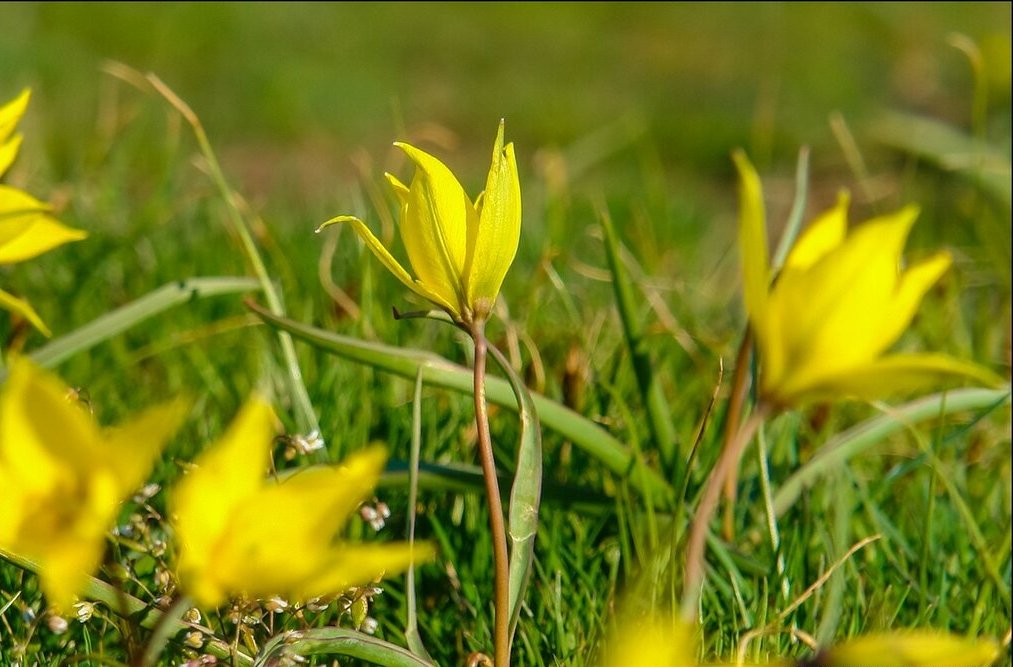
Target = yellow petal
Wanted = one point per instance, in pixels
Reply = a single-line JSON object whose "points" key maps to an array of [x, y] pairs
{"points": [[832, 314], [493, 238], [9, 151], [435, 230], [653, 641], [888, 376], [17, 208], [132, 448], [11, 113], [225, 476], [913, 649], [823, 235], [42, 234], [358, 564], [911, 287], [43, 434], [752, 243], [400, 189], [10, 302], [389, 261]]}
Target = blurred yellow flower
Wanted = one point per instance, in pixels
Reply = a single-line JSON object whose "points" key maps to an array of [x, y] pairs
{"points": [[659, 641], [839, 302], [240, 533], [921, 648], [460, 250], [62, 478], [26, 228]]}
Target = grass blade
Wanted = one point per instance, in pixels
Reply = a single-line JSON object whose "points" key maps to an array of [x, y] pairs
{"points": [[151, 304], [525, 494], [859, 438], [657, 407], [440, 372], [306, 418], [411, 632]]}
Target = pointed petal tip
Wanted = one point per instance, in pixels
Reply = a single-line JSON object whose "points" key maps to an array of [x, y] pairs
{"points": [[335, 220]]}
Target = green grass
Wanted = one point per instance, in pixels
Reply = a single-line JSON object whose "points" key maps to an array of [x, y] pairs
{"points": [[631, 107]]}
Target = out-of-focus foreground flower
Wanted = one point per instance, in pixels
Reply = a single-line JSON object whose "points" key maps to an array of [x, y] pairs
{"points": [[460, 250], [917, 648], [839, 302], [62, 478], [658, 641], [26, 227], [240, 533], [662, 641]]}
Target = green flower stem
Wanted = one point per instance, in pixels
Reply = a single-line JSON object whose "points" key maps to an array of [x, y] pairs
{"points": [[729, 460], [496, 522]]}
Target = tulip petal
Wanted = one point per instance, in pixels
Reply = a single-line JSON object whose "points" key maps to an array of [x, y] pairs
{"points": [[12, 303], [823, 235], [25, 228], [887, 376], [357, 564], [224, 477], [11, 113], [495, 232], [400, 189], [388, 260], [435, 233], [752, 243], [833, 312], [37, 421], [912, 649], [133, 446], [9, 151]]}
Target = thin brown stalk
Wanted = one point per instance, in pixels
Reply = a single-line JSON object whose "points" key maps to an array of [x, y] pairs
{"points": [[730, 457], [497, 524]]}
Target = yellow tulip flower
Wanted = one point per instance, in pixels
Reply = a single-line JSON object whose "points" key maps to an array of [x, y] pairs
{"points": [[62, 478], [26, 228], [659, 641], [839, 302], [921, 648], [240, 533], [460, 250]]}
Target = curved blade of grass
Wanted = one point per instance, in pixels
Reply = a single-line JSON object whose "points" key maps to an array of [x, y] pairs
{"points": [[440, 372], [658, 410], [859, 438], [140, 614], [338, 641], [525, 494], [306, 418], [151, 304], [794, 224], [411, 632]]}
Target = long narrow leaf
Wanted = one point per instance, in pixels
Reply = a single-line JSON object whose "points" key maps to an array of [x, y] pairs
{"points": [[440, 372], [859, 438], [151, 304], [411, 632], [525, 494], [337, 641]]}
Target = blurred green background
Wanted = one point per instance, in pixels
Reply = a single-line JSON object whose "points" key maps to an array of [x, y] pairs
{"points": [[634, 107], [289, 90]]}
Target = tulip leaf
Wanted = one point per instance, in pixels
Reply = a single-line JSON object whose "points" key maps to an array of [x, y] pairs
{"points": [[411, 632], [526, 493], [151, 304], [440, 372], [337, 641]]}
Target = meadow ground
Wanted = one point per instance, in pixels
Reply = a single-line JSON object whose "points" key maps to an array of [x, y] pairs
{"points": [[626, 108]]}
